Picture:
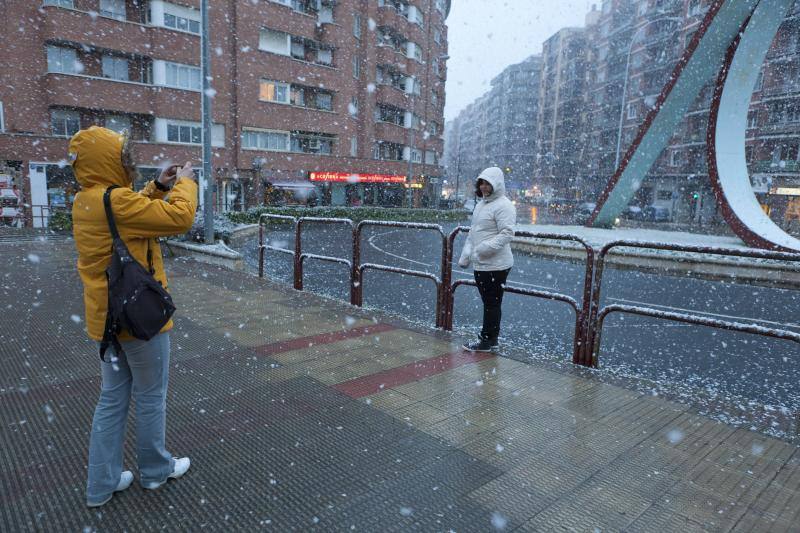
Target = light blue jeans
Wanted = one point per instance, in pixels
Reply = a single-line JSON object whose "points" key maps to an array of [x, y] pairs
{"points": [[144, 371]]}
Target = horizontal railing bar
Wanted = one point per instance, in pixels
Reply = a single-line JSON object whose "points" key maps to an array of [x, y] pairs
{"points": [[326, 258], [397, 270], [698, 320]]}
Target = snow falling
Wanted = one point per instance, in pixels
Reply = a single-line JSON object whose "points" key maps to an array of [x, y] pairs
{"points": [[325, 393]]}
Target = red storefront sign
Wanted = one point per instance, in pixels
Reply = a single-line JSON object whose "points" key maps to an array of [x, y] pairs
{"points": [[344, 177]]}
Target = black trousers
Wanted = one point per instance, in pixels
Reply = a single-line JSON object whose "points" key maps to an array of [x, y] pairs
{"points": [[490, 285]]}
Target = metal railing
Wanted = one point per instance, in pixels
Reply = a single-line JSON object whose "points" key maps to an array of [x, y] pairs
{"points": [[598, 315], [262, 248], [301, 256], [589, 316], [580, 348], [358, 268]]}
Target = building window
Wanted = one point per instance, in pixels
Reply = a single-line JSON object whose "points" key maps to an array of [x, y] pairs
{"points": [[182, 76], [60, 3], [325, 101], [785, 152], [64, 123], [388, 151], [437, 37], [413, 51], [273, 41], [675, 158], [118, 123], [114, 9], [356, 67], [631, 110], [759, 81], [185, 134], [440, 6], [793, 113], [115, 68], [274, 91], [353, 147], [181, 18], [2, 118], [416, 155], [357, 26], [312, 143], [353, 107], [325, 56], [431, 157], [274, 141], [63, 60], [390, 115], [752, 119]]}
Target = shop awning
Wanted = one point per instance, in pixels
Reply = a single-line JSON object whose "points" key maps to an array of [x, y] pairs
{"points": [[8, 194], [292, 185]]}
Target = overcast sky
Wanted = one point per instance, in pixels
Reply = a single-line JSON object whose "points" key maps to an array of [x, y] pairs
{"points": [[488, 35]]}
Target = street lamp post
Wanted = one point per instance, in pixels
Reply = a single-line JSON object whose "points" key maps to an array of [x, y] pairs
{"points": [[625, 81], [208, 192]]}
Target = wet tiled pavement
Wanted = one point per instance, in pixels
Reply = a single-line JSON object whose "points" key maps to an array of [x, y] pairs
{"points": [[302, 414]]}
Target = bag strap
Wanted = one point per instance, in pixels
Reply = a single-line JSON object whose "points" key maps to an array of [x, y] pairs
{"points": [[112, 225], [110, 332]]}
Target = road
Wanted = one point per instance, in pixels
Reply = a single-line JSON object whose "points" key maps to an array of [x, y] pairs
{"points": [[722, 365]]}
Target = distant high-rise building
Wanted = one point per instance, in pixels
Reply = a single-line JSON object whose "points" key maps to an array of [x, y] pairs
{"points": [[561, 138], [498, 129]]}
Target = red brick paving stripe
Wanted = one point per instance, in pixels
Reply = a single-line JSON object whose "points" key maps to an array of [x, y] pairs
{"points": [[302, 343], [374, 383]]}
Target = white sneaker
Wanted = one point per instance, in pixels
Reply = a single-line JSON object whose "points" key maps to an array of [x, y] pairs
{"points": [[180, 468], [125, 480]]}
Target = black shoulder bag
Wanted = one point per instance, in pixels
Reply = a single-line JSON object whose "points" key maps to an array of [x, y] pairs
{"points": [[137, 302]]}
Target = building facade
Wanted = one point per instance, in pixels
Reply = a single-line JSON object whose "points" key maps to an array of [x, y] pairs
{"points": [[561, 139], [632, 47], [498, 129], [336, 101]]}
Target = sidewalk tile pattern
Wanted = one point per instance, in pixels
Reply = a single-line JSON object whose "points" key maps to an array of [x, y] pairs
{"points": [[303, 414]]}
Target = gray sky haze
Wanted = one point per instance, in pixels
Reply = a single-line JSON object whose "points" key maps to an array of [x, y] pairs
{"points": [[485, 36]]}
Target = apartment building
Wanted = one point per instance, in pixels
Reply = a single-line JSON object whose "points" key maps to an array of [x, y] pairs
{"points": [[341, 100], [561, 138], [499, 129]]}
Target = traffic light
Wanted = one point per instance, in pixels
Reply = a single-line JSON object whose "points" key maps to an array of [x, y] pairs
{"points": [[695, 195]]}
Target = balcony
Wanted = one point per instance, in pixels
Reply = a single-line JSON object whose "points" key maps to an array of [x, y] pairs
{"points": [[391, 17], [771, 167], [122, 36], [386, 55], [387, 94], [386, 131], [66, 90]]}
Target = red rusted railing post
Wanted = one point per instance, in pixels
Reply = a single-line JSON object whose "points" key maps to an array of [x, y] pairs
{"points": [[298, 251], [355, 284]]}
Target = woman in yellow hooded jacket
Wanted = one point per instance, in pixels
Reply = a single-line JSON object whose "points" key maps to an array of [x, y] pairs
{"points": [[101, 158]]}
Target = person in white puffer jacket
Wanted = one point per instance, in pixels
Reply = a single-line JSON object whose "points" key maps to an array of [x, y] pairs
{"points": [[488, 250]]}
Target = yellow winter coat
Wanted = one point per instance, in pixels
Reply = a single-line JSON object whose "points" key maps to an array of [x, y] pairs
{"points": [[140, 217]]}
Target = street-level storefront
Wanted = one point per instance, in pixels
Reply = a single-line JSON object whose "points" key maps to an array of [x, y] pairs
{"points": [[349, 189]]}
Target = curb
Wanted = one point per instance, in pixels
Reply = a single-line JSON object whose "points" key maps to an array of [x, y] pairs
{"points": [[218, 254]]}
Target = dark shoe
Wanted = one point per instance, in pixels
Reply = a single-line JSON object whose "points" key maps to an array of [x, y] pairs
{"points": [[481, 345]]}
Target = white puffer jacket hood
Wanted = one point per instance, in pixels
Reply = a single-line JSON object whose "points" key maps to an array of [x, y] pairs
{"points": [[488, 245]]}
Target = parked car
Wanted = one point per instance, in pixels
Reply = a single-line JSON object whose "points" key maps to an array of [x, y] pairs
{"points": [[655, 213], [632, 212], [583, 212]]}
